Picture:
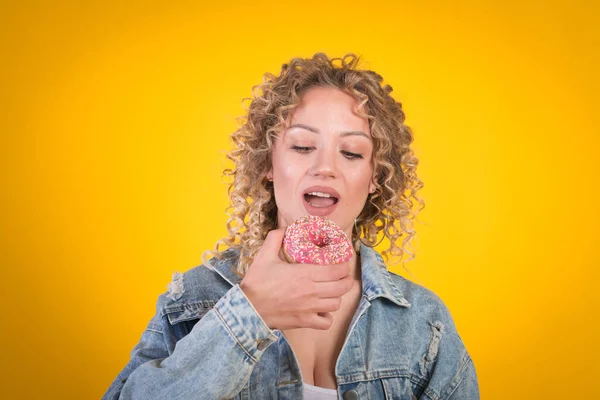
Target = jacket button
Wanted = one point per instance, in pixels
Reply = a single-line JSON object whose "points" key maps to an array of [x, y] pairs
{"points": [[351, 395], [262, 344]]}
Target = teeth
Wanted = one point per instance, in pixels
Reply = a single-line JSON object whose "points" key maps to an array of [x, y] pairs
{"points": [[319, 194]]}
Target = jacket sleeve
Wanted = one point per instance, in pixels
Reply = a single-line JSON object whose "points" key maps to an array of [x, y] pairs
{"points": [[214, 361], [446, 364], [468, 388]]}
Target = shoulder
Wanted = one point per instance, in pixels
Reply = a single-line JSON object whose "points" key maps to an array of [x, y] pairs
{"points": [[443, 360], [202, 284], [425, 303]]}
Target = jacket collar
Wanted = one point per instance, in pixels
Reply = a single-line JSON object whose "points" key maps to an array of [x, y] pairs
{"points": [[377, 281]]}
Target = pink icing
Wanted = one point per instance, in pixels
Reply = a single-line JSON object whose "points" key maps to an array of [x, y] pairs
{"points": [[317, 240]]}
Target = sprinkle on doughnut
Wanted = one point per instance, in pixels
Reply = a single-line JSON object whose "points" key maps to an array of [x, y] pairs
{"points": [[316, 240]]}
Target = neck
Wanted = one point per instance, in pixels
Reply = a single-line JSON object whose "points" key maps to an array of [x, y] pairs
{"points": [[355, 270], [355, 267]]}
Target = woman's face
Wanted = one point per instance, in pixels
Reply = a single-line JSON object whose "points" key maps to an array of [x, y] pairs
{"points": [[325, 150]]}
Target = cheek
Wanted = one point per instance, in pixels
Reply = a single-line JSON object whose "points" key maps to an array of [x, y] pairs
{"points": [[361, 178], [277, 163], [285, 171], [282, 170]]}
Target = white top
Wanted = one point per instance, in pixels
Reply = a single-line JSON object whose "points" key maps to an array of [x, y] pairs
{"points": [[318, 393]]}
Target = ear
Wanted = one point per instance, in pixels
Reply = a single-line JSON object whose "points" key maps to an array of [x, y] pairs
{"points": [[372, 187], [270, 174]]}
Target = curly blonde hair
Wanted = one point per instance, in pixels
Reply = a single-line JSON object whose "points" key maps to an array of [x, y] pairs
{"points": [[253, 212]]}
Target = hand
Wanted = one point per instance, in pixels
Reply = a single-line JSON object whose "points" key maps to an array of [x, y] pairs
{"points": [[289, 296]]}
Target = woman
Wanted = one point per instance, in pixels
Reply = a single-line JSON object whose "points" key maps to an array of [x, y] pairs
{"points": [[322, 138]]}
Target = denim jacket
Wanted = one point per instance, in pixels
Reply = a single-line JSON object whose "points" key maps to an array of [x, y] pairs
{"points": [[206, 341]]}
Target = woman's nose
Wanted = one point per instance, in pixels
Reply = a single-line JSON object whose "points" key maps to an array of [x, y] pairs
{"points": [[325, 164]]}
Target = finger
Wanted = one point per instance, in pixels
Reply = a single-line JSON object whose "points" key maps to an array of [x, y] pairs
{"points": [[322, 321], [273, 241], [333, 288], [327, 305], [325, 273]]}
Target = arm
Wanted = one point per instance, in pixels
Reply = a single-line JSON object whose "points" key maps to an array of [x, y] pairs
{"points": [[446, 364], [462, 386], [468, 388], [214, 360]]}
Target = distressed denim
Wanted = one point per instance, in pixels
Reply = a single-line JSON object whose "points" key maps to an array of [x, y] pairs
{"points": [[206, 341]]}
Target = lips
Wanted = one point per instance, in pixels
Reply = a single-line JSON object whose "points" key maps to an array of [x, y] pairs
{"points": [[321, 205], [323, 189]]}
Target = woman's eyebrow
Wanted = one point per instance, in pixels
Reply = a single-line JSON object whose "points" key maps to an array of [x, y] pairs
{"points": [[342, 134]]}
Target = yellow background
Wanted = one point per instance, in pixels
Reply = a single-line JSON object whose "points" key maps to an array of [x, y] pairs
{"points": [[115, 121]]}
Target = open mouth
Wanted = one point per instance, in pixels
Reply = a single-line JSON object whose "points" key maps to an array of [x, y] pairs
{"points": [[320, 199]]}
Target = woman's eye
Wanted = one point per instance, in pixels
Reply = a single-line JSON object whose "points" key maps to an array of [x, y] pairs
{"points": [[306, 150], [301, 149], [351, 156]]}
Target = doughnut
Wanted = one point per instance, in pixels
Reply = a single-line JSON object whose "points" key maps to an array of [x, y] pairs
{"points": [[316, 240]]}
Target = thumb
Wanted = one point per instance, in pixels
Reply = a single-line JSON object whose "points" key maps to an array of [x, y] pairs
{"points": [[273, 241]]}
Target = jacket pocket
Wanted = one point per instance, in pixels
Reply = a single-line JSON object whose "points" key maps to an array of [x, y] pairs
{"points": [[387, 387], [398, 388], [183, 317]]}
